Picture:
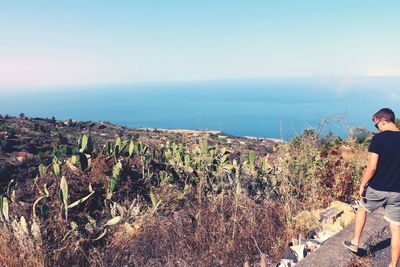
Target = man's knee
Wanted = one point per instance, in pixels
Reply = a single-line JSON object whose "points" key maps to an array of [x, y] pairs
{"points": [[362, 210]]}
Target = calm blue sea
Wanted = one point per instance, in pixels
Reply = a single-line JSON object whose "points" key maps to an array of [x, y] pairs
{"points": [[278, 108]]}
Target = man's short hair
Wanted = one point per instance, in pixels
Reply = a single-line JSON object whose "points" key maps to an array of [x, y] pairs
{"points": [[385, 114]]}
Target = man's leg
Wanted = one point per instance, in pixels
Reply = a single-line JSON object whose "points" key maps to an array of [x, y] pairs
{"points": [[361, 217], [395, 244], [373, 200]]}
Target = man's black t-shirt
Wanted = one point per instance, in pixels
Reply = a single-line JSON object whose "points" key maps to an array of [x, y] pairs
{"points": [[387, 175]]}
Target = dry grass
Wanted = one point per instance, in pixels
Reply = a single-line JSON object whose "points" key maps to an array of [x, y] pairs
{"points": [[19, 249], [223, 232], [358, 261], [223, 229]]}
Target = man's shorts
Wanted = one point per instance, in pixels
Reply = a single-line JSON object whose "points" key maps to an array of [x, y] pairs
{"points": [[389, 200]]}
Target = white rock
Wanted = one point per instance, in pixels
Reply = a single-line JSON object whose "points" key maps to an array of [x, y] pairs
{"points": [[299, 251]]}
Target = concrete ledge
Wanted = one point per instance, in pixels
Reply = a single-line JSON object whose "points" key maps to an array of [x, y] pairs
{"points": [[333, 254]]}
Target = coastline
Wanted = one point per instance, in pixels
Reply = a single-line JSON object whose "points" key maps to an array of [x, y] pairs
{"points": [[214, 132]]}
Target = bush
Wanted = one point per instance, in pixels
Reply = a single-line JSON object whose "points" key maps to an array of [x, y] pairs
{"points": [[359, 134], [397, 122], [309, 174], [222, 232], [199, 204], [18, 248]]}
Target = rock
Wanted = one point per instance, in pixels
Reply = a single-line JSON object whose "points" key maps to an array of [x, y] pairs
{"points": [[307, 220], [348, 213], [333, 254], [288, 259], [345, 219], [312, 245], [286, 263], [335, 227], [299, 251], [330, 214], [324, 235], [341, 205], [288, 255]]}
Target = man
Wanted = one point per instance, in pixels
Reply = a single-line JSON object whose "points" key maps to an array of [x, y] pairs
{"points": [[380, 186]]}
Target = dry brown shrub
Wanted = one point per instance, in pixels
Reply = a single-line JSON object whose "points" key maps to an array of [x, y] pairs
{"points": [[17, 251], [61, 246], [101, 170], [358, 261], [223, 232]]}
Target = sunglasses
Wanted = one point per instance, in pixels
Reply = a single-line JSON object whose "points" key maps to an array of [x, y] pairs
{"points": [[376, 124]]}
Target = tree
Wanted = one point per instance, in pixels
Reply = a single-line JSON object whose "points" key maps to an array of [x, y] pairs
{"points": [[22, 115], [359, 134]]}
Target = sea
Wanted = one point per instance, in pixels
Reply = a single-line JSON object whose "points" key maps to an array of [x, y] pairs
{"points": [[268, 107]]}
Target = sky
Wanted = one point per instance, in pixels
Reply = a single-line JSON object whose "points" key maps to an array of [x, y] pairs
{"points": [[72, 43]]}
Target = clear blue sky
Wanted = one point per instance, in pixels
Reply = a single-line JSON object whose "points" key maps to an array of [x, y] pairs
{"points": [[63, 43]]}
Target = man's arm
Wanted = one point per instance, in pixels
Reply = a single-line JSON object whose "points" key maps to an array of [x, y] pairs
{"points": [[369, 171]]}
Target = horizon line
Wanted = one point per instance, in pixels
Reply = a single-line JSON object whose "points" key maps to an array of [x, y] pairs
{"points": [[149, 82]]}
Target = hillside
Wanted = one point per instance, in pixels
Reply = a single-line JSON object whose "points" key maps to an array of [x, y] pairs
{"points": [[27, 142], [93, 193]]}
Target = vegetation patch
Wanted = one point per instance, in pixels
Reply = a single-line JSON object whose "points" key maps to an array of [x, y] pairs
{"points": [[97, 194]]}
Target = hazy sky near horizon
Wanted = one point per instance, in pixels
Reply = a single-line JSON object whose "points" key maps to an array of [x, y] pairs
{"points": [[66, 43]]}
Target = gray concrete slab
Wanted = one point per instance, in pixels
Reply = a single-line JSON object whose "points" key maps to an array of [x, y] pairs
{"points": [[380, 255], [374, 244]]}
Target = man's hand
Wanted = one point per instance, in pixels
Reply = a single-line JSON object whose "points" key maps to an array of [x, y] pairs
{"points": [[362, 191]]}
